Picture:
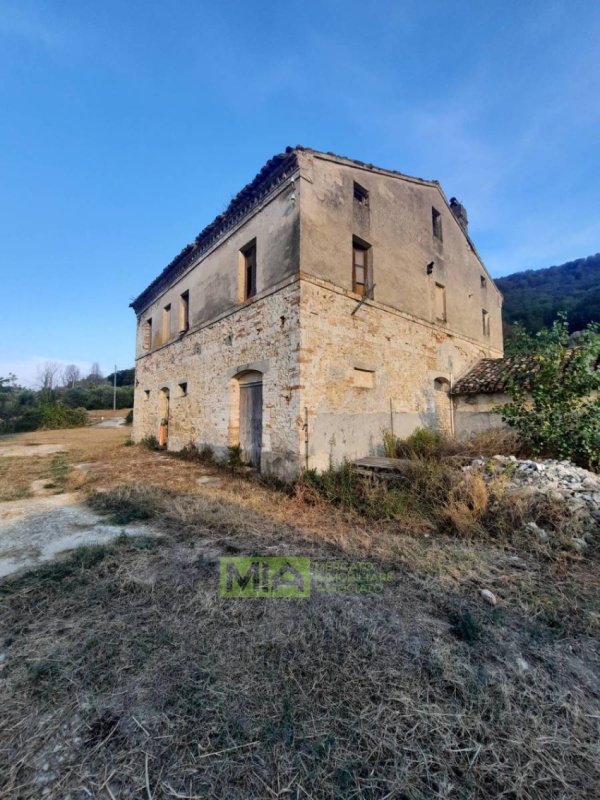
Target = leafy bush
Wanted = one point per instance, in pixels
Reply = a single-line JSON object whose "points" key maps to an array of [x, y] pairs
{"points": [[150, 442], [554, 404], [50, 416]]}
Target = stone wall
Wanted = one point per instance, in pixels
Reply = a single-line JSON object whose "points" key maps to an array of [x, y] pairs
{"points": [[366, 373], [262, 335]]}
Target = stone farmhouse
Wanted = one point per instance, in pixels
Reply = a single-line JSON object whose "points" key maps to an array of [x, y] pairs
{"points": [[332, 301]]}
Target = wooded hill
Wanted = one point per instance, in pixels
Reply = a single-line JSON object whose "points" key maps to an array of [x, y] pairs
{"points": [[534, 297]]}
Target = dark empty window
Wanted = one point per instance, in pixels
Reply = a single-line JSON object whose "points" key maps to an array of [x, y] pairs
{"points": [[183, 389], [148, 334], [361, 195], [249, 257], [483, 282], [360, 267], [184, 312], [436, 223]]}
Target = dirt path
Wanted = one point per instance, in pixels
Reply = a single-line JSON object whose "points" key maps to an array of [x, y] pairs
{"points": [[37, 529], [46, 519]]}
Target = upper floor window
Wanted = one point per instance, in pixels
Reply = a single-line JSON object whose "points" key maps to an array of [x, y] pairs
{"points": [[249, 269], [166, 322], [148, 334], [440, 302], [184, 312], [483, 281], [485, 319], [361, 195], [436, 223], [360, 267]]}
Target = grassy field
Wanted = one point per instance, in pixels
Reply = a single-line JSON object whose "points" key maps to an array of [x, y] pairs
{"points": [[123, 674]]}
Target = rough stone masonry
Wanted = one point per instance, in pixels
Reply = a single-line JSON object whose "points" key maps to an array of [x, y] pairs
{"points": [[332, 301]]}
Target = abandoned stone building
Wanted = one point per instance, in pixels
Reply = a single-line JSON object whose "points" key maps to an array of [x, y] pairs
{"points": [[332, 301]]}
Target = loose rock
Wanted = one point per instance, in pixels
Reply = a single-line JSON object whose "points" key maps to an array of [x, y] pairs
{"points": [[489, 597]]}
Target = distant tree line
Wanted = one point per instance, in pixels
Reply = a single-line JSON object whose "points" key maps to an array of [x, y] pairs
{"points": [[534, 298], [63, 398]]}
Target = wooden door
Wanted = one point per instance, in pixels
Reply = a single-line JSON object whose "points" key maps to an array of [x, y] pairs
{"points": [[251, 422], [163, 431]]}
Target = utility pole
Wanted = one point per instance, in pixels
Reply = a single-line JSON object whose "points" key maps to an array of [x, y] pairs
{"points": [[115, 389]]}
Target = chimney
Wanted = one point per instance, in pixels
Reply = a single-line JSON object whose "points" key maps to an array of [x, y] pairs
{"points": [[460, 212]]}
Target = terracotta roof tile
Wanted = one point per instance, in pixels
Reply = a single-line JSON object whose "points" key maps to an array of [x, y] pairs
{"points": [[491, 374]]}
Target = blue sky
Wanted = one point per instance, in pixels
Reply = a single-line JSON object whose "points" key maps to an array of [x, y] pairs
{"points": [[125, 127]]}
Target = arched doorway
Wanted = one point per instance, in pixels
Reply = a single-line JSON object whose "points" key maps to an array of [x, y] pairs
{"points": [[251, 391], [163, 410]]}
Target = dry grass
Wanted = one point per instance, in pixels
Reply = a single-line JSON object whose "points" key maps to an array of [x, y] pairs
{"points": [[126, 671], [125, 675]]}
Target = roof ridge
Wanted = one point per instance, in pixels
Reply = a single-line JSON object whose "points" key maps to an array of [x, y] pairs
{"points": [[364, 164]]}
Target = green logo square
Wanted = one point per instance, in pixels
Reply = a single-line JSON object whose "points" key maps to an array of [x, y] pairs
{"points": [[264, 576]]}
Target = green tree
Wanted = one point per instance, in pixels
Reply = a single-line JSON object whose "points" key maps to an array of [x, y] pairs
{"points": [[554, 392]]}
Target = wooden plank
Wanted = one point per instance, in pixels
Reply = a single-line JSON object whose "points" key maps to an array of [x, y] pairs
{"points": [[382, 463]]}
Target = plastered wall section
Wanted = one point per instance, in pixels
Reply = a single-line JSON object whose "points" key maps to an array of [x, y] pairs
{"points": [[262, 335], [475, 413], [397, 224], [371, 372]]}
